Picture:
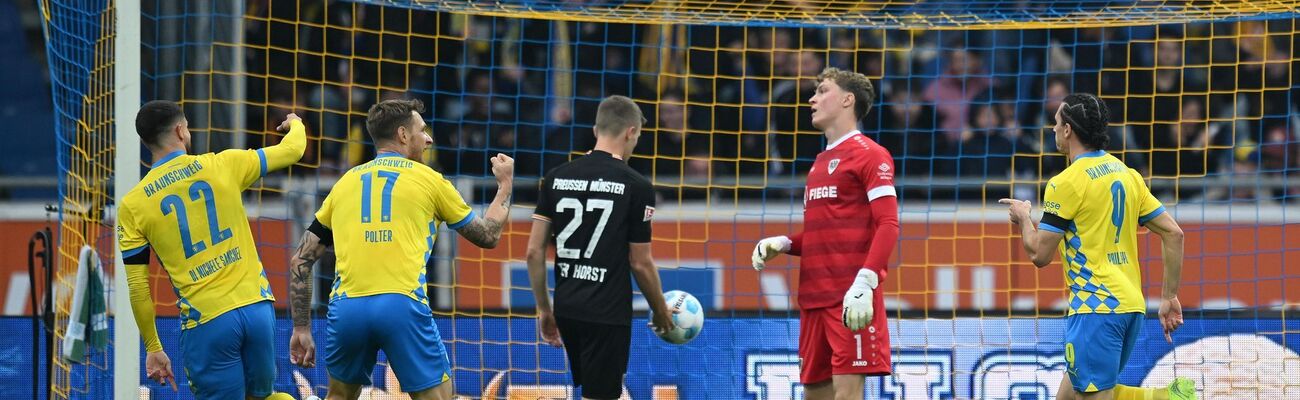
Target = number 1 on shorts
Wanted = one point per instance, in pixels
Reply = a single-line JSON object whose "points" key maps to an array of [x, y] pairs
{"points": [[858, 338]]}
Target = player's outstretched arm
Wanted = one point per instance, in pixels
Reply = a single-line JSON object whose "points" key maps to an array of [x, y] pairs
{"points": [[647, 278], [1040, 244], [302, 348], [1171, 238], [485, 232], [538, 242], [290, 149]]}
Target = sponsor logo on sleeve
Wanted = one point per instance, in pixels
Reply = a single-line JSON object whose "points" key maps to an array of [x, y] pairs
{"points": [[886, 173]]}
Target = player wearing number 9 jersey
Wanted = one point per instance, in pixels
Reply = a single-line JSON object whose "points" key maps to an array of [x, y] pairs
{"points": [[1092, 210], [382, 218], [189, 210]]}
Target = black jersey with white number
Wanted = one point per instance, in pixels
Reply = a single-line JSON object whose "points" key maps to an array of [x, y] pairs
{"points": [[597, 205]]}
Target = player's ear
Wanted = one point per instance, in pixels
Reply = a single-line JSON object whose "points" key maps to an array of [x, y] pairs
{"points": [[179, 131], [403, 135]]}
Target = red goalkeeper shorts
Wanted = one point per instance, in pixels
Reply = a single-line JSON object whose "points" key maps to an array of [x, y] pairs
{"points": [[828, 348]]}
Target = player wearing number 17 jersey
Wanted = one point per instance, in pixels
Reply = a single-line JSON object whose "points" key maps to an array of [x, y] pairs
{"points": [[850, 229], [382, 218], [189, 210], [1092, 210]]}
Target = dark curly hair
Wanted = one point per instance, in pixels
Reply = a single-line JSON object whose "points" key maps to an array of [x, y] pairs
{"points": [[1087, 116]]}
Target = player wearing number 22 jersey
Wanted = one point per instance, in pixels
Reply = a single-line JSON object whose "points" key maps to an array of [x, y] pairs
{"points": [[382, 218], [189, 211]]}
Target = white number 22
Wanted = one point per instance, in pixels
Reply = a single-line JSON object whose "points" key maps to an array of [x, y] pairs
{"points": [[569, 203]]}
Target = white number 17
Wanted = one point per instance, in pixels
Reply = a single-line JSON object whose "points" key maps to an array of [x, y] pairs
{"points": [[569, 203]]}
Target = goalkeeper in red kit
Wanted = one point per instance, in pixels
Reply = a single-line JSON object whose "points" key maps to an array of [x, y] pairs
{"points": [[850, 229]]}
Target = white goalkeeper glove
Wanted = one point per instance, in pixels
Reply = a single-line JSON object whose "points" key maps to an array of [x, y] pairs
{"points": [[768, 249], [858, 309]]}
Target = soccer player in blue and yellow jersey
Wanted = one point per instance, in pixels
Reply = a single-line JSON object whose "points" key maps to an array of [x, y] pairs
{"points": [[189, 210], [382, 218], [1092, 211]]}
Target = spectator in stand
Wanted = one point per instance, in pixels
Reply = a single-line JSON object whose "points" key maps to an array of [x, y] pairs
{"points": [[796, 141], [907, 130], [1194, 148], [1279, 156], [1038, 137], [986, 145], [963, 79]]}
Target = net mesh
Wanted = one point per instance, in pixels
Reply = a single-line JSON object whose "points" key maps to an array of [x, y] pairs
{"points": [[886, 14], [1202, 97], [79, 37]]}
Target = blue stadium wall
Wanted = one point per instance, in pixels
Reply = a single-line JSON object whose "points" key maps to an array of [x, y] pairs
{"points": [[751, 358]]}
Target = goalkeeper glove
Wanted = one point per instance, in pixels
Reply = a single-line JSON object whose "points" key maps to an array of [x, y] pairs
{"points": [[858, 309], [768, 249]]}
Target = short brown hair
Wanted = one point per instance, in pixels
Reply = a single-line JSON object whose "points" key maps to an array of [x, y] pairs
{"points": [[385, 117], [864, 95], [616, 114]]}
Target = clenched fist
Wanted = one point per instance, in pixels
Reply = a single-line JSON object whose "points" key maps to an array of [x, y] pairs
{"points": [[503, 167]]}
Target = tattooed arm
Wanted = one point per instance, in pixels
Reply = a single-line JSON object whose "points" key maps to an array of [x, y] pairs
{"points": [[485, 232], [302, 348], [300, 277]]}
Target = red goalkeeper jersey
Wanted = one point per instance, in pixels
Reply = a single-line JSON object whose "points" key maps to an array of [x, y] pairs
{"points": [[850, 219]]}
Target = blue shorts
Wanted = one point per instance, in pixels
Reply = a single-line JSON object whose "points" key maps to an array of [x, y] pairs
{"points": [[232, 355], [1097, 346], [400, 326]]}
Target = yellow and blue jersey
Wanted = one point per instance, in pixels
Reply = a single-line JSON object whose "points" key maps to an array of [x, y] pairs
{"points": [[189, 211], [383, 217], [1098, 203]]}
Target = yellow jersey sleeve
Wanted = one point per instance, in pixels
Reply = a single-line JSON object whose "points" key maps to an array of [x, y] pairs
{"points": [[244, 166], [1149, 207], [288, 151], [449, 205], [130, 239], [135, 255], [247, 166], [326, 210], [1061, 202]]}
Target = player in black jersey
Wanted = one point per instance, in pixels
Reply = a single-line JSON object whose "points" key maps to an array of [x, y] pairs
{"points": [[598, 211]]}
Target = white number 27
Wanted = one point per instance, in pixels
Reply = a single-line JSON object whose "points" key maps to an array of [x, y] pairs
{"points": [[569, 203]]}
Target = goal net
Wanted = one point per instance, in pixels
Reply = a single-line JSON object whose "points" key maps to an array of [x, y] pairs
{"points": [[1202, 98]]}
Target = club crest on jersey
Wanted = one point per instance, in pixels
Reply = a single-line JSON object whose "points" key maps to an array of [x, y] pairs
{"points": [[649, 214], [830, 167]]}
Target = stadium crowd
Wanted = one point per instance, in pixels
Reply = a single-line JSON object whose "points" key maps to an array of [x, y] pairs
{"points": [[1191, 100]]}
